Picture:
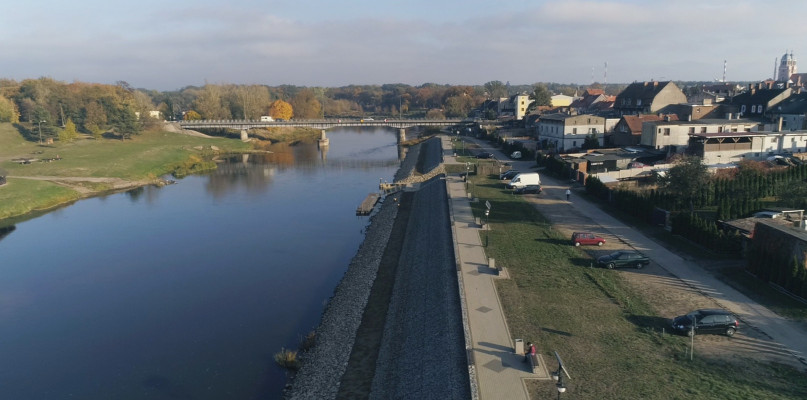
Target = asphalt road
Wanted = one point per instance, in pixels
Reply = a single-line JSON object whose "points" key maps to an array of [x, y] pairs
{"points": [[791, 335]]}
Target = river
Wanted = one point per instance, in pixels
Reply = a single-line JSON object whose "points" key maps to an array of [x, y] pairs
{"points": [[185, 291]]}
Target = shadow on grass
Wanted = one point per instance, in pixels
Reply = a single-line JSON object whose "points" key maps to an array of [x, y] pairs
{"points": [[559, 242], [649, 321], [556, 332]]}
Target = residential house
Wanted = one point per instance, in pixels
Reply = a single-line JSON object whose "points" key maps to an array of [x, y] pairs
{"points": [[593, 101], [515, 106], [628, 131], [726, 147], [561, 100], [648, 97], [791, 112], [758, 101], [564, 132], [693, 111], [673, 136]]}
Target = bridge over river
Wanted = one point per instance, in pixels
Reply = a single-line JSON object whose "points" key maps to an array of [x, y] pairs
{"points": [[244, 125]]}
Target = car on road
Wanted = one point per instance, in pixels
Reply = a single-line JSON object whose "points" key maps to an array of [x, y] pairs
{"points": [[509, 174], [623, 258], [587, 239], [527, 189], [715, 321], [515, 155], [484, 154]]}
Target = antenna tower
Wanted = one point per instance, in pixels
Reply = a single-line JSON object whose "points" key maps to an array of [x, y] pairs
{"points": [[605, 76], [724, 71]]}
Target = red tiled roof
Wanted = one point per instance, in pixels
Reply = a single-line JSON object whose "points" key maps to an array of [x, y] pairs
{"points": [[635, 121]]}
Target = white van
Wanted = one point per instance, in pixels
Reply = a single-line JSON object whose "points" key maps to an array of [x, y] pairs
{"points": [[524, 179], [266, 118]]}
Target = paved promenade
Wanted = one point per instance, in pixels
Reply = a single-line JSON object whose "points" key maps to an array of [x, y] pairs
{"points": [[500, 373]]}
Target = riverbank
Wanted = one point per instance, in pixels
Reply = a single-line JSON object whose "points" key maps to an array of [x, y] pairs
{"points": [[44, 177], [372, 341]]}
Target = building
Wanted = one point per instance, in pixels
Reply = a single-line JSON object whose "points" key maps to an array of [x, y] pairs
{"points": [[787, 67], [628, 131], [564, 132], [791, 112], [673, 136], [732, 147], [648, 97], [758, 100], [593, 101], [561, 100], [515, 106]]}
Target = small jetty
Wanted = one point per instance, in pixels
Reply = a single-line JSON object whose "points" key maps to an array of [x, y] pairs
{"points": [[368, 204]]}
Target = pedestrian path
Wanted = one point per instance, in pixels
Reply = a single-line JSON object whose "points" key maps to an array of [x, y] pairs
{"points": [[500, 372]]}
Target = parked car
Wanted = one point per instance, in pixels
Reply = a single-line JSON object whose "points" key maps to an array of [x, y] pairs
{"points": [[587, 239], [509, 174], [623, 258], [515, 155], [706, 321], [528, 189], [484, 154]]}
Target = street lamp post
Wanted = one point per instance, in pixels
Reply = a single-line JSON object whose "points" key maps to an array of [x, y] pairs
{"points": [[40, 131]]}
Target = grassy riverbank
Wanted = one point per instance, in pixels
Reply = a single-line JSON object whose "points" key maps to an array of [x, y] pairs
{"points": [[88, 167], [608, 334]]}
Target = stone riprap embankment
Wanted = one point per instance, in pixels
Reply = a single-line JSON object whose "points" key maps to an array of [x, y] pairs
{"points": [[422, 355], [422, 351], [324, 365]]}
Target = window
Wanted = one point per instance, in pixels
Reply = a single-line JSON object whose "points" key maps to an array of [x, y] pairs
{"points": [[759, 108], [753, 108], [638, 102], [666, 131], [742, 109], [574, 143], [691, 129], [574, 131], [719, 129], [703, 129]]}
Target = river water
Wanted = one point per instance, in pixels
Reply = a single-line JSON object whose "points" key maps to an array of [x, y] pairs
{"points": [[186, 291]]}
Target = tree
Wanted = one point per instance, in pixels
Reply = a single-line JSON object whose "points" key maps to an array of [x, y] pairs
{"points": [[591, 142], [95, 119], [281, 110], [8, 111], [686, 179], [435, 114], [458, 106], [126, 123], [191, 116], [209, 103], [306, 105], [540, 97], [496, 89], [69, 133]]}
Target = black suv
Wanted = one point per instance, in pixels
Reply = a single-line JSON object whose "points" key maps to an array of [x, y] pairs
{"points": [[706, 321]]}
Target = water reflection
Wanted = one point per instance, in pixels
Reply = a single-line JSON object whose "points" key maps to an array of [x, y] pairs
{"points": [[6, 230]]}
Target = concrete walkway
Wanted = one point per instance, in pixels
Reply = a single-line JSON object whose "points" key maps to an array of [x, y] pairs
{"points": [[500, 373]]}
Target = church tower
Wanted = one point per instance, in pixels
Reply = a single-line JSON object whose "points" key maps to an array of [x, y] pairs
{"points": [[787, 67]]}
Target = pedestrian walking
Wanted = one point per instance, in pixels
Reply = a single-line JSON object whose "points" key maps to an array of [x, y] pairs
{"points": [[568, 194]]}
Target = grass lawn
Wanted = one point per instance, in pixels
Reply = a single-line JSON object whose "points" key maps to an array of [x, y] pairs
{"points": [[143, 158], [22, 196], [608, 336]]}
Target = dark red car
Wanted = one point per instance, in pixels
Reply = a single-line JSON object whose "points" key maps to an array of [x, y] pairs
{"points": [[587, 238]]}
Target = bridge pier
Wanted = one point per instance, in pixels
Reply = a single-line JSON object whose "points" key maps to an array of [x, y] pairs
{"points": [[323, 140], [401, 135], [244, 136]]}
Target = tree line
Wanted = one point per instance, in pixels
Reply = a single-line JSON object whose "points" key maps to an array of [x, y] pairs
{"points": [[121, 109]]}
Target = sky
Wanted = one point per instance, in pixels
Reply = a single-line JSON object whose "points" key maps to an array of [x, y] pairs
{"points": [[168, 45]]}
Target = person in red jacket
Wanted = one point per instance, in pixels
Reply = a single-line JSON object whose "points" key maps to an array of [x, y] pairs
{"points": [[529, 352]]}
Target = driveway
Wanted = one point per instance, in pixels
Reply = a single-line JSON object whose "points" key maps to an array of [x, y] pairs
{"points": [[672, 284]]}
